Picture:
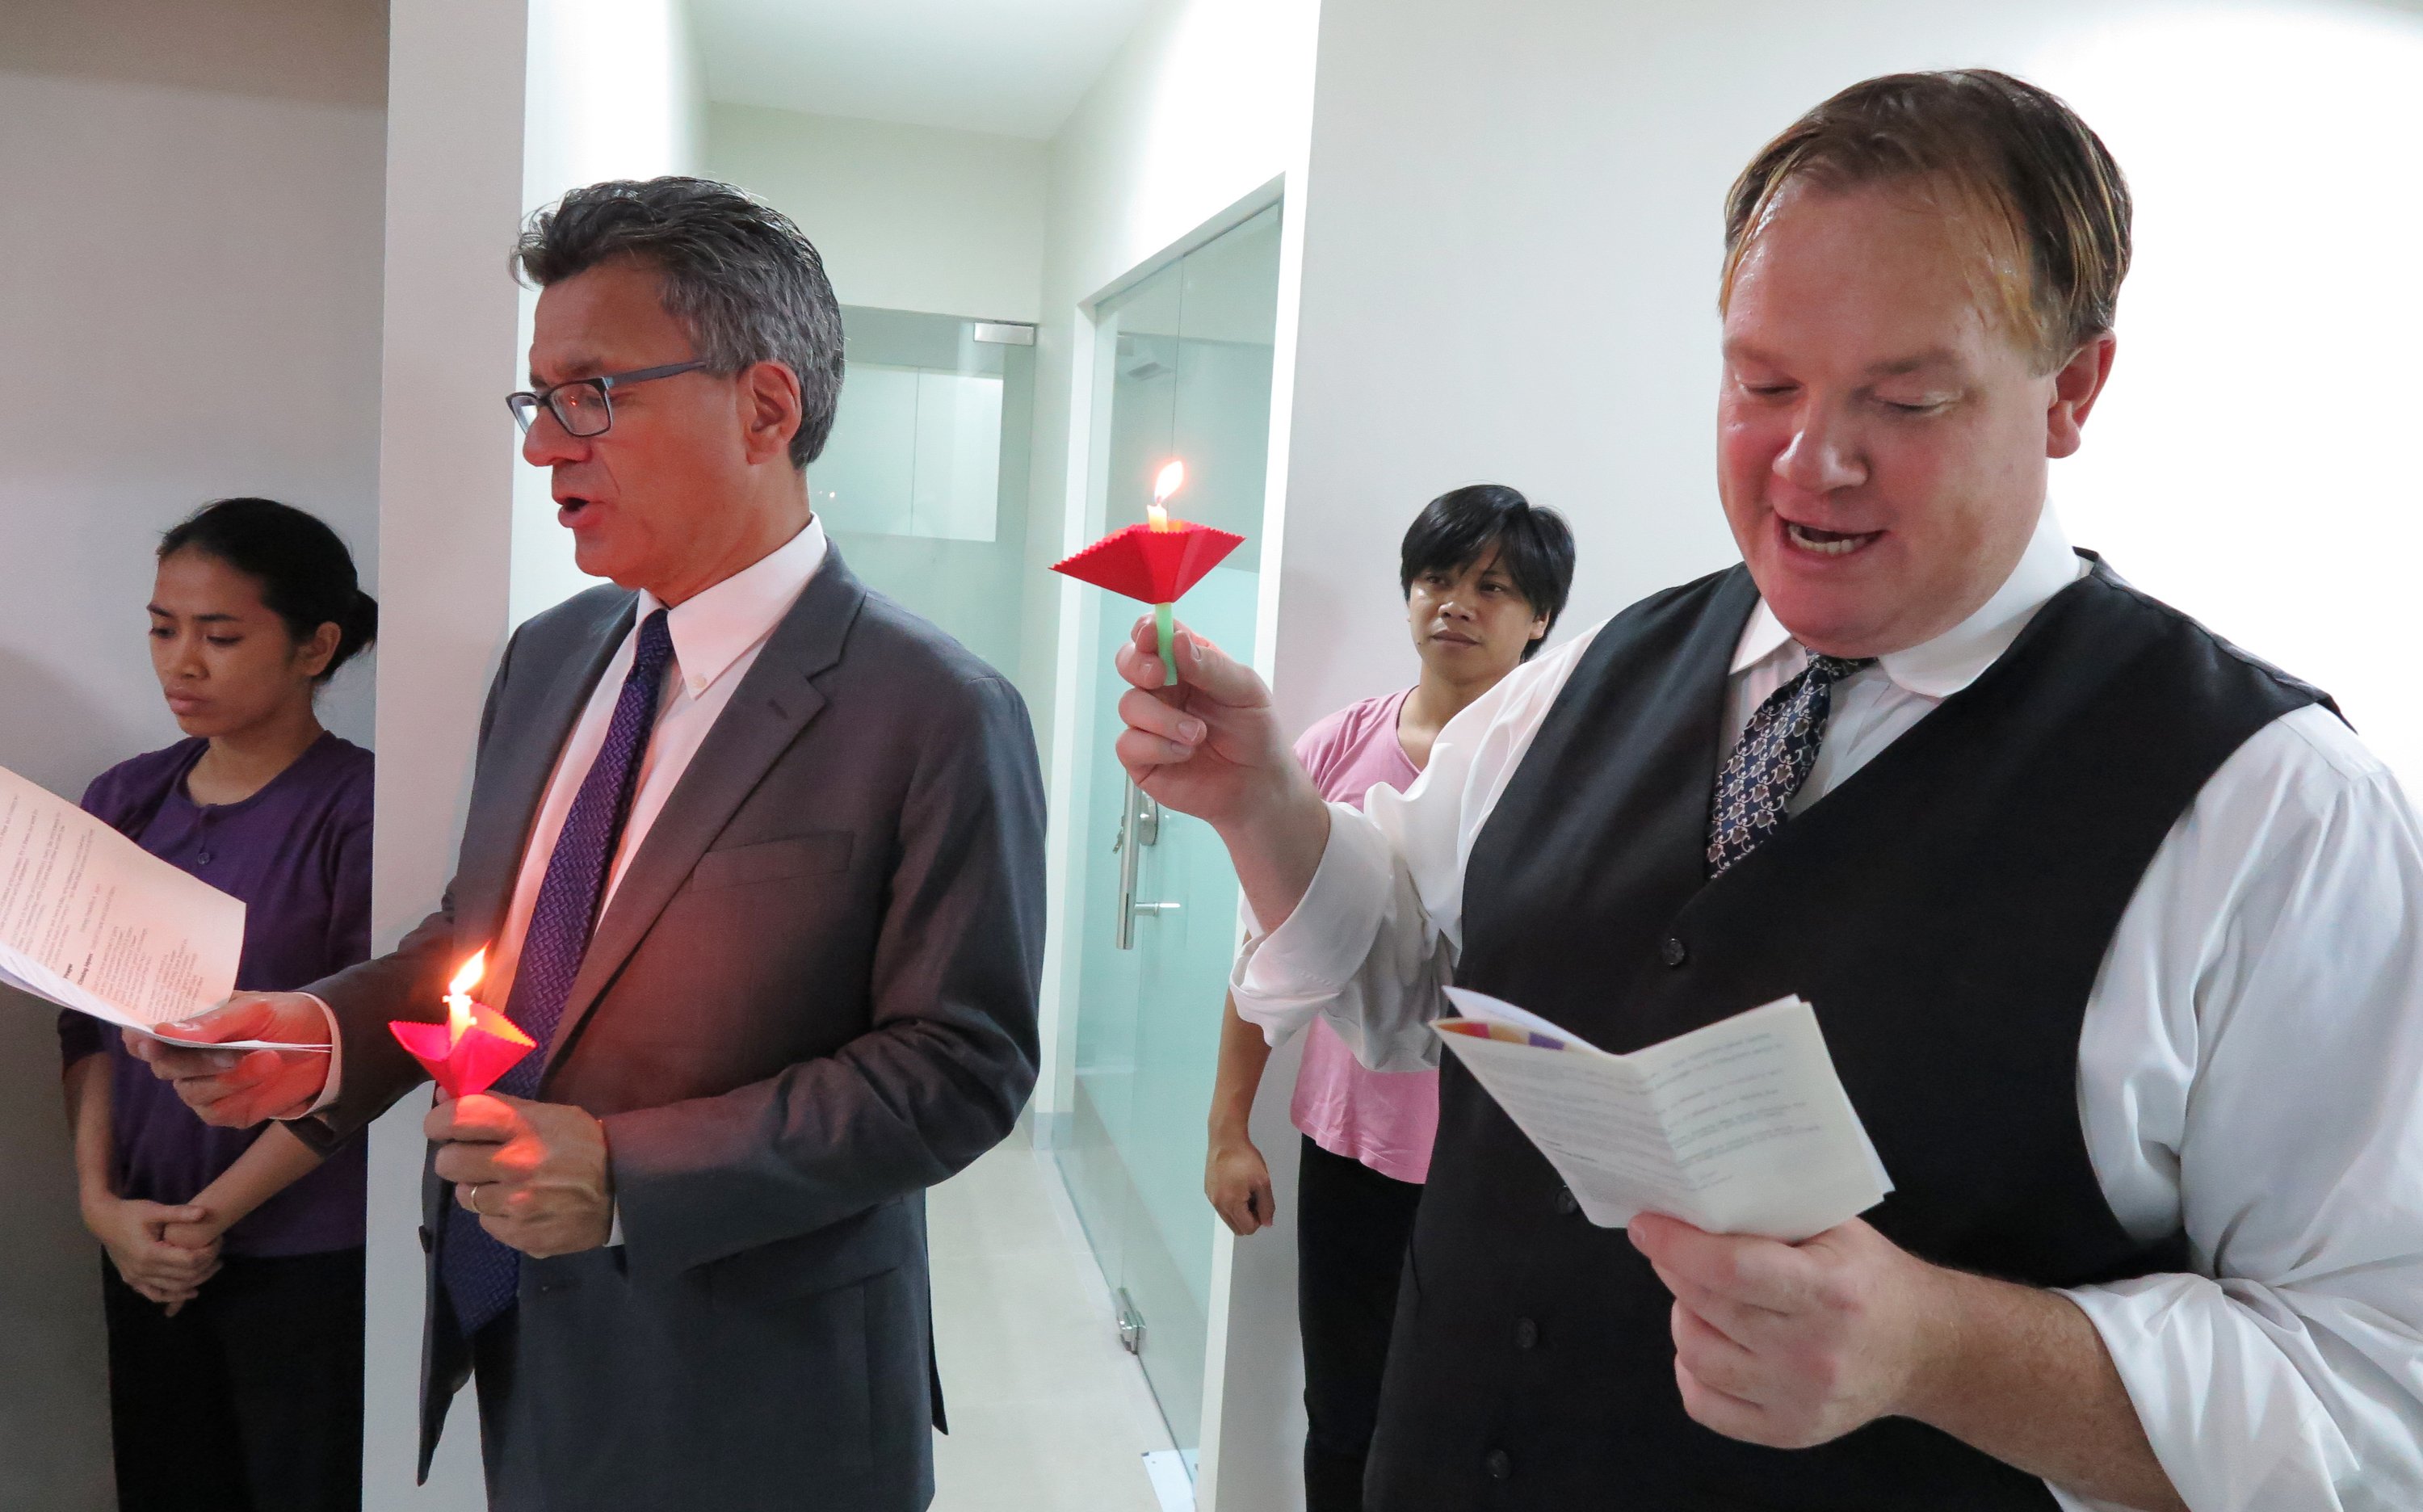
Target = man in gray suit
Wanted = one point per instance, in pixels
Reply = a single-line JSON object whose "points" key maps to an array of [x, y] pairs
{"points": [[757, 856]]}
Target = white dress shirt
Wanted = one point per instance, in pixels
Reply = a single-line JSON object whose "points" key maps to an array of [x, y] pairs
{"points": [[717, 634], [2250, 1066]]}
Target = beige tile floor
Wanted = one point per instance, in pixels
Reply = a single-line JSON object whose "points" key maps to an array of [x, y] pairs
{"points": [[1048, 1413]]}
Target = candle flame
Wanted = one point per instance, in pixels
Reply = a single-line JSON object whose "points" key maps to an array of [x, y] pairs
{"points": [[1171, 478], [458, 991]]}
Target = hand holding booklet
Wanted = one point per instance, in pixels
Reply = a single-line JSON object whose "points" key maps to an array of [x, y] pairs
{"points": [[91, 921], [1740, 1126]]}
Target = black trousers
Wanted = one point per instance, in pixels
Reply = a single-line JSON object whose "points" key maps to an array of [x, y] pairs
{"points": [[250, 1398], [1353, 1225]]}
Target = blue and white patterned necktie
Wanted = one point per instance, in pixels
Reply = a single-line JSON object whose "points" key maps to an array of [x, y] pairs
{"points": [[1772, 761], [481, 1274]]}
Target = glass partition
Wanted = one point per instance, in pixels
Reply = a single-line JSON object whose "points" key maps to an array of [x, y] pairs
{"points": [[1185, 373], [922, 482]]}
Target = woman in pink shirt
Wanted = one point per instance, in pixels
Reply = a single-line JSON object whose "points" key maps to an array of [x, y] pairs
{"points": [[1484, 575]]}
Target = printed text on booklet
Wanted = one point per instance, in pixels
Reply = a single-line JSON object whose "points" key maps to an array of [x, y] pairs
{"points": [[1737, 1127]]}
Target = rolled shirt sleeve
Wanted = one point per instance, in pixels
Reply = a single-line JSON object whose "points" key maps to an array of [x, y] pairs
{"points": [[1375, 936], [1359, 950], [2287, 1375]]}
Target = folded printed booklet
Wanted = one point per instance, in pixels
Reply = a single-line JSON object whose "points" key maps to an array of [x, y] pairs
{"points": [[1740, 1126], [91, 921]]}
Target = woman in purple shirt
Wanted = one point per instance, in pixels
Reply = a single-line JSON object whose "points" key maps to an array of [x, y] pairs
{"points": [[1484, 576], [233, 1288]]}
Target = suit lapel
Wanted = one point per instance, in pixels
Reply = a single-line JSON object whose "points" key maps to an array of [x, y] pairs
{"points": [[773, 704], [498, 826]]}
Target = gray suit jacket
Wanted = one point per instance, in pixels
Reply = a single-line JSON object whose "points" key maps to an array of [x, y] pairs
{"points": [[811, 997]]}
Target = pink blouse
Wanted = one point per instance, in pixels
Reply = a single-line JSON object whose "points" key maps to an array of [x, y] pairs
{"points": [[1386, 1121]]}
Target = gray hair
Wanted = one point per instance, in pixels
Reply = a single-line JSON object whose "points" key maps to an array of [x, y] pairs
{"points": [[737, 274]]}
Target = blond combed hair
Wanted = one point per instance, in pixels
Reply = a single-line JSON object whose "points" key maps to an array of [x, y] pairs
{"points": [[2044, 200]]}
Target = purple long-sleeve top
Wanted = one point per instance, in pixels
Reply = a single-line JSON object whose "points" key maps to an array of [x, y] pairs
{"points": [[298, 853]]}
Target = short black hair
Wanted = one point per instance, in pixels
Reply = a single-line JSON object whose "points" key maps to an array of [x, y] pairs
{"points": [[1535, 544], [306, 574], [738, 274]]}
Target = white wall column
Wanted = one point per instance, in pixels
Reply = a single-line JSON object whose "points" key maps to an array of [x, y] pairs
{"points": [[445, 479], [615, 91]]}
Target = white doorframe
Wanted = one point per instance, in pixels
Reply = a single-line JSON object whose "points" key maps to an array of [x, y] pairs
{"points": [[1253, 1414]]}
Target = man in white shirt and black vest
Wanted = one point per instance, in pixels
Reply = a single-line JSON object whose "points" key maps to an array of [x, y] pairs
{"points": [[2116, 934]]}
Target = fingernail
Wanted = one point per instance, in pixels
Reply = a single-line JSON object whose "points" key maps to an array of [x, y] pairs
{"points": [[1190, 730]]}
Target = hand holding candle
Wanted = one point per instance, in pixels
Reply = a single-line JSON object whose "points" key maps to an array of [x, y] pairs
{"points": [[474, 1046], [1155, 562]]}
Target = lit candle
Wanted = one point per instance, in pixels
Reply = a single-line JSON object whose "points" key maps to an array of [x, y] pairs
{"points": [[1155, 562], [474, 1046], [458, 994], [1171, 478]]}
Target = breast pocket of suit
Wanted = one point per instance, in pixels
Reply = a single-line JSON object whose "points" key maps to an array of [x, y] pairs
{"points": [[824, 852]]}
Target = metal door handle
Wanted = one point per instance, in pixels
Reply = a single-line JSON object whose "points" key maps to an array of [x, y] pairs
{"points": [[1152, 908], [1139, 826]]}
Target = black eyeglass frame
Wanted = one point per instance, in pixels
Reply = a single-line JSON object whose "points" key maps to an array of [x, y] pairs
{"points": [[525, 404]]}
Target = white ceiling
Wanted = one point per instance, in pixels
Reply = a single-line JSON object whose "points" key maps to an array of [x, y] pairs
{"points": [[1011, 67]]}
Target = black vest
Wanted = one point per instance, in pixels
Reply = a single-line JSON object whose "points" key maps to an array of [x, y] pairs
{"points": [[1945, 909]]}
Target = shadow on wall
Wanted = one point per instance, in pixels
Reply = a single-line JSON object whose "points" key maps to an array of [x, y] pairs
{"points": [[243, 46], [58, 733], [54, 1442]]}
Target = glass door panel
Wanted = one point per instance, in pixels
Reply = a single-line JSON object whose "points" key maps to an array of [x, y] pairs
{"points": [[1188, 376], [922, 482], [1135, 409]]}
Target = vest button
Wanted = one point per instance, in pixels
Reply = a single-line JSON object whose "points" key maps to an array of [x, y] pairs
{"points": [[1527, 1333], [1567, 1202], [1672, 953], [1499, 1463]]}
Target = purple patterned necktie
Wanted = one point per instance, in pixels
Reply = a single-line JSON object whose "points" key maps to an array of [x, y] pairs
{"points": [[1772, 761], [481, 1274]]}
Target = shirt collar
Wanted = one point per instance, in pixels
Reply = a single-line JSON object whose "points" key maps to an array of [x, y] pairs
{"points": [[713, 627], [1942, 666]]}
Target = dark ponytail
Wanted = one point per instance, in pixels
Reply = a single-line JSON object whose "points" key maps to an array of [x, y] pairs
{"points": [[306, 574]]}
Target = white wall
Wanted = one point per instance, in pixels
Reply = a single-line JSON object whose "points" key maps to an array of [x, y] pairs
{"points": [[906, 217], [190, 220], [1512, 252], [446, 470], [190, 311], [615, 90], [2255, 460], [1207, 103]]}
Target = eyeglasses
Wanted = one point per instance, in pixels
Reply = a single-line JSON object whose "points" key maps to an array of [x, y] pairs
{"points": [[585, 406]]}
